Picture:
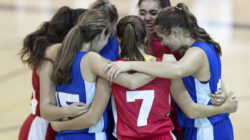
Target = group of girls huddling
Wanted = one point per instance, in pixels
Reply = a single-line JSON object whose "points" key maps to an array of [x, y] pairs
{"points": [[79, 93]]}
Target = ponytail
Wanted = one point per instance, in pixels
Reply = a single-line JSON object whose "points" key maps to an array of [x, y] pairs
{"points": [[92, 23], [65, 56], [132, 33], [129, 46], [196, 31]]}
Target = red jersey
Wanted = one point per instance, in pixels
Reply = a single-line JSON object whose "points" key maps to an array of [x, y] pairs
{"points": [[142, 113], [34, 126], [157, 50]]}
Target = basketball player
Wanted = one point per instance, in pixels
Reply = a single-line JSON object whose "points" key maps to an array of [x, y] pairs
{"points": [[75, 72], [110, 51], [200, 66], [148, 11], [143, 113], [33, 53]]}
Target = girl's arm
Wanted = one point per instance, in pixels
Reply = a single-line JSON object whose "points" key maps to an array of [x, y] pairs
{"points": [[94, 113], [48, 107], [130, 81], [194, 110], [187, 65], [96, 64]]}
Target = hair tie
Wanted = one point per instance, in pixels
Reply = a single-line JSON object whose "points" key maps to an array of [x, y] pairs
{"points": [[106, 4], [80, 27], [129, 22]]}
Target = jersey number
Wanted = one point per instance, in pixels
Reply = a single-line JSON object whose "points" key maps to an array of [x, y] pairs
{"points": [[147, 97], [66, 98], [219, 85]]}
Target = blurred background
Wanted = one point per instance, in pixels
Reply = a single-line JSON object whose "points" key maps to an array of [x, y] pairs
{"points": [[227, 21]]}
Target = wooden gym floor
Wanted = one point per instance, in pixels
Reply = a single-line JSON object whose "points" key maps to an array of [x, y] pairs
{"points": [[227, 21]]}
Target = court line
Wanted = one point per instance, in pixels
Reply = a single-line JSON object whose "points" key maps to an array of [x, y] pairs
{"points": [[226, 25], [9, 108], [243, 98], [14, 105], [16, 72], [12, 74], [10, 128], [45, 10], [19, 8], [8, 76]]}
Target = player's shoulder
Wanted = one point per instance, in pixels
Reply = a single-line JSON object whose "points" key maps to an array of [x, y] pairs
{"points": [[52, 50], [93, 55], [195, 52]]}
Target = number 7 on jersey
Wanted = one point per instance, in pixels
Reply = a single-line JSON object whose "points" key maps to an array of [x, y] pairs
{"points": [[147, 97]]}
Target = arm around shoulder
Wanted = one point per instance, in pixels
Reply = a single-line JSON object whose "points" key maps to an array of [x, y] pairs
{"points": [[130, 81]]}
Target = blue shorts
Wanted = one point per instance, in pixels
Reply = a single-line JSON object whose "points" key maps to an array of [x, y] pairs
{"points": [[83, 136], [222, 130]]}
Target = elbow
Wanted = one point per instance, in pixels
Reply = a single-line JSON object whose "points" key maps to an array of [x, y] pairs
{"points": [[93, 121], [191, 111], [43, 112], [93, 118], [179, 73], [132, 85], [192, 114]]}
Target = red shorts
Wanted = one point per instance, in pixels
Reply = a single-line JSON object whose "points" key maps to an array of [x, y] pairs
{"points": [[167, 136]]}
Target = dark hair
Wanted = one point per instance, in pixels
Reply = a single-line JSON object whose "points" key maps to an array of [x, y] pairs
{"points": [[131, 30], [108, 9], [49, 33], [180, 16], [92, 23], [162, 3]]}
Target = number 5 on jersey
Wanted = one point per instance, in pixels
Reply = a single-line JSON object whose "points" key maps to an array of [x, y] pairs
{"points": [[147, 97]]}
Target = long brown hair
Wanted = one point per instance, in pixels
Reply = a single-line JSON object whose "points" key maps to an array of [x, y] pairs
{"points": [[181, 17], [131, 30], [51, 32], [91, 24]]}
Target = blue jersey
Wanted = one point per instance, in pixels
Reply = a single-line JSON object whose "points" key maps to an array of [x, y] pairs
{"points": [[79, 90], [199, 91], [111, 50]]}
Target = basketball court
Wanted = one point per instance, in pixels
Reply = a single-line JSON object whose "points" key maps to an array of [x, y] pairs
{"points": [[227, 21]]}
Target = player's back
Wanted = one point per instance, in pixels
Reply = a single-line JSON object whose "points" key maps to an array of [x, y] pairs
{"points": [[142, 113], [199, 91], [79, 90]]}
